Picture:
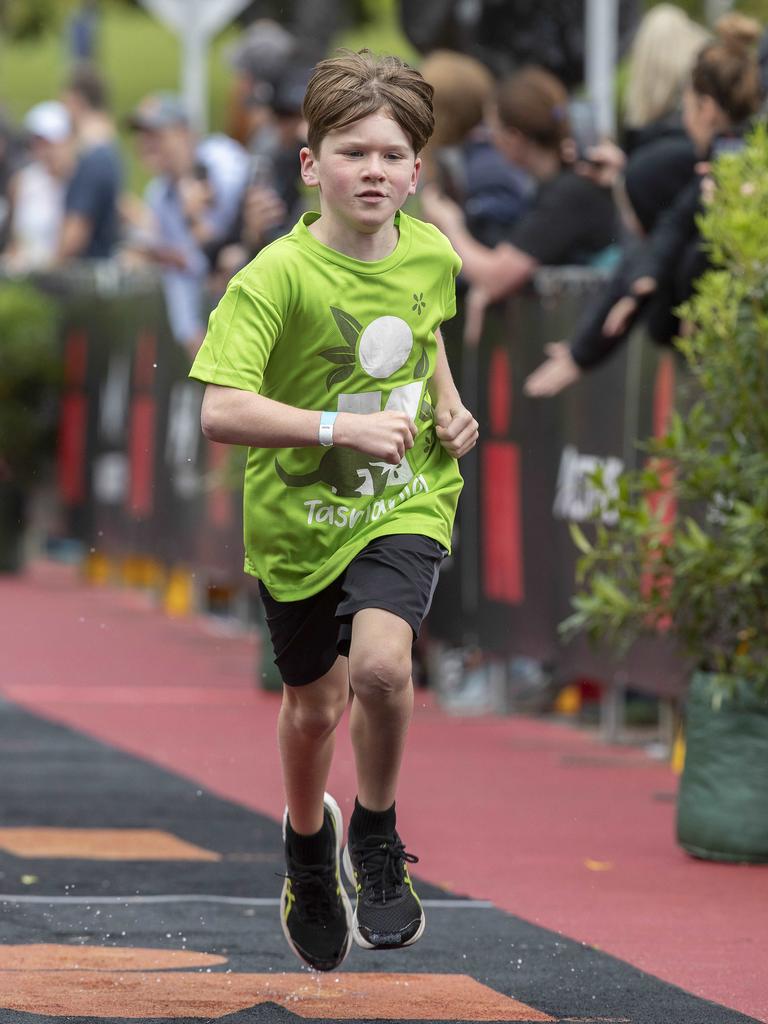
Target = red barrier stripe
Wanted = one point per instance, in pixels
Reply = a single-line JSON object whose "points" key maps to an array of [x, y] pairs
{"points": [[663, 394], [219, 504], [145, 362], [502, 523], [75, 359], [70, 462], [500, 392], [142, 456]]}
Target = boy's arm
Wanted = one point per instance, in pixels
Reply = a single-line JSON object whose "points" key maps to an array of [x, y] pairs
{"points": [[456, 427], [232, 416]]}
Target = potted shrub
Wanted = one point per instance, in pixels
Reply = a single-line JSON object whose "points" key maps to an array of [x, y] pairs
{"points": [[30, 368], [688, 554]]}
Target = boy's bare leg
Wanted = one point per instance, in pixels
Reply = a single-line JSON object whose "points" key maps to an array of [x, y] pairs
{"points": [[306, 733], [380, 675]]}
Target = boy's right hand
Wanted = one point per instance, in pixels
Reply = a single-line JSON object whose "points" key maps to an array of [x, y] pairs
{"points": [[384, 435]]}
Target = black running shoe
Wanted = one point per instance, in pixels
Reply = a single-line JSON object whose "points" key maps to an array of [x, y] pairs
{"points": [[314, 907], [388, 913]]}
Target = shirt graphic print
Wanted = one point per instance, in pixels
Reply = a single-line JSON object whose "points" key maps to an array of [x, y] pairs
{"points": [[313, 328]]}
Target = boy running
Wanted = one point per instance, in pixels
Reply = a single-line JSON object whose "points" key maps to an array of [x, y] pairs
{"points": [[327, 347]]}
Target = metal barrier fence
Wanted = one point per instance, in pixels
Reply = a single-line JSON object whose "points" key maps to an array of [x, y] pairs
{"points": [[512, 576], [137, 478]]}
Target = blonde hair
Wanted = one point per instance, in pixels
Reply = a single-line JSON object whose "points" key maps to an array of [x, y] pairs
{"points": [[663, 53], [351, 86], [463, 89], [727, 69]]}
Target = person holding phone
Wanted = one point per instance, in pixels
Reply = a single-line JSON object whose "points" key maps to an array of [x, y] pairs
{"points": [[724, 93], [192, 200], [572, 220]]}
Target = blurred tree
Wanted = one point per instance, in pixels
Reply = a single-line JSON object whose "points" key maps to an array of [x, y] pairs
{"points": [[25, 19]]}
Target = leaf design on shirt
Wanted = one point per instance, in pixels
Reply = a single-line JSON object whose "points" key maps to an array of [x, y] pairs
{"points": [[342, 355], [349, 327], [422, 366], [339, 374], [338, 355]]}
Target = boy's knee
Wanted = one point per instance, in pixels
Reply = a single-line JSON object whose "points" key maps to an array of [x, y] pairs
{"points": [[314, 721], [382, 674]]}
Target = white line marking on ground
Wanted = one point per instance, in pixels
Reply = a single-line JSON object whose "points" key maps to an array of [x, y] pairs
{"points": [[243, 901]]}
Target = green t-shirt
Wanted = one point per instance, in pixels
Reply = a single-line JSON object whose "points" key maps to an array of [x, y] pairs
{"points": [[306, 325]]}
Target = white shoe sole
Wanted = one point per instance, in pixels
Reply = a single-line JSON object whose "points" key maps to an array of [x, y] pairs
{"points": [[338, 823], [357, 935]]}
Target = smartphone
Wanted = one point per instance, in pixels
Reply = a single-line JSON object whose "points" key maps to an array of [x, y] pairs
{"points": [[262, 171], [584, 131]]}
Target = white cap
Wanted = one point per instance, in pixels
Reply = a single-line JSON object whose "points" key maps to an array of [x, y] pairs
{"points": [[49, 121]]}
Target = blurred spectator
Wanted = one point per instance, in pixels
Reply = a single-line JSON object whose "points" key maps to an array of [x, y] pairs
{"points": [[91, 222], [38, 188], [8, 166], [762, 60], [82, 32], [461, 157], [193, 199], [663, 53], [258, 60], [571, 220], [273, 200], [508, 34], [724, 92]]}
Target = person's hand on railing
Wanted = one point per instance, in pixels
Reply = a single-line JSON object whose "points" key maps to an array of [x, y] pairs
{"points": [[556, 373], [618, 320]]}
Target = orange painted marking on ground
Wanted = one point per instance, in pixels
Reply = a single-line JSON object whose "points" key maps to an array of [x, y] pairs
{"points": [[66, 981], [43, 956], [101, 844]]}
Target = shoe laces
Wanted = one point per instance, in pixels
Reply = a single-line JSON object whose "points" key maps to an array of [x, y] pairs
{"points": [[382, 865], [315, 890]]}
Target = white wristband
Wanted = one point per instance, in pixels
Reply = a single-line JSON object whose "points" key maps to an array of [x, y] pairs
{"points": [[325, 435]]}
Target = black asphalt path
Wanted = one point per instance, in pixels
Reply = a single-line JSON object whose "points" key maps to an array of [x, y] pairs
{"points": [[58, 908]]}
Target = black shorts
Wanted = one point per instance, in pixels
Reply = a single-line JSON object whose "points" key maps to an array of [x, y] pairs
{"points": [[397, 573]]}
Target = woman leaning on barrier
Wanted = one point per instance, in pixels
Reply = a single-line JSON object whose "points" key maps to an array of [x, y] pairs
{"points": [[724, 93], [572, 218]]}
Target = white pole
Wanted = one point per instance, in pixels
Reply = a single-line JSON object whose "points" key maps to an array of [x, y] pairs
{"points": [[714, 8], [194, 66], [195, 22], [600, 57]]}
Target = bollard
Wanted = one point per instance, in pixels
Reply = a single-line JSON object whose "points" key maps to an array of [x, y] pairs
{"points": [[179, 597]]}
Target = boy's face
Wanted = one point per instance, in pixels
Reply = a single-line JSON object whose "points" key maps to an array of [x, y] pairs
{"points": [[364, 171]]}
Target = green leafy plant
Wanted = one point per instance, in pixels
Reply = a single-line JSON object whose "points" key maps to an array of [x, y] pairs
{"points": [[30, 372], [682, 548]]}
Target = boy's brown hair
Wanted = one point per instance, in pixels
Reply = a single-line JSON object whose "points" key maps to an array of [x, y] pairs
{"points": [[351, 86]]}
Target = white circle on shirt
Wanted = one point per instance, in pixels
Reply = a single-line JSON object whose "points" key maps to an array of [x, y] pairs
{"points": [[385, 345]]}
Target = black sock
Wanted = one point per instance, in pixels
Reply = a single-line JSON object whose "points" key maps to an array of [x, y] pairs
{"points": [[371, 823], [314, 849]]}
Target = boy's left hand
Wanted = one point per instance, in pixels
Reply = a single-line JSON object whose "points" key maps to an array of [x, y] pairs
{"points": [[456, 428]]}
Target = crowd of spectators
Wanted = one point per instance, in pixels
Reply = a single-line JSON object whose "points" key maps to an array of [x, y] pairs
{"points": [[514, 175]]}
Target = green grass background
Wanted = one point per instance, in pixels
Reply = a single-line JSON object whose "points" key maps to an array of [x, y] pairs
{"points": [[137, 55]]}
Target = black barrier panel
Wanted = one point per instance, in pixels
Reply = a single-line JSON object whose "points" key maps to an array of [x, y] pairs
{"points": [[512, 577], [453, 614], [138, 478]]}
